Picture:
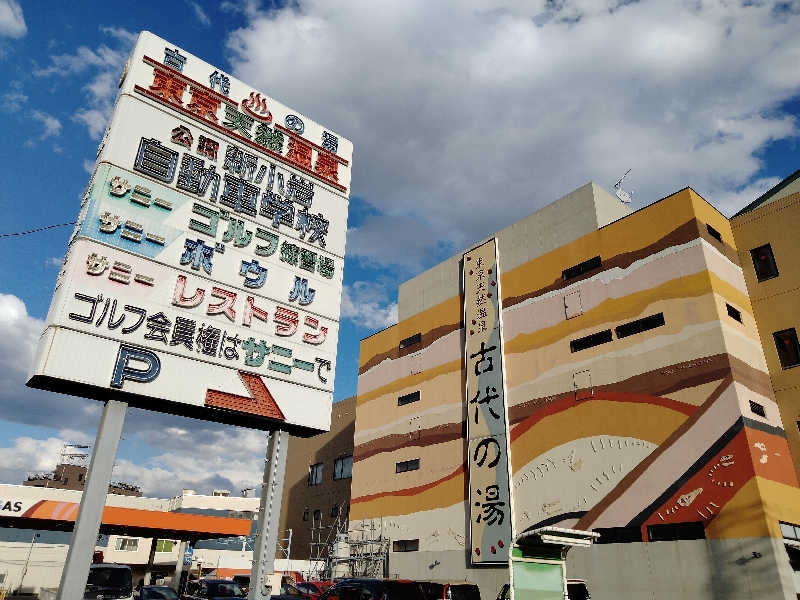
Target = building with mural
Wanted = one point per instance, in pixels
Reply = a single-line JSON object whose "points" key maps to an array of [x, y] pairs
{"points": [[618, 354], [766, 237]]}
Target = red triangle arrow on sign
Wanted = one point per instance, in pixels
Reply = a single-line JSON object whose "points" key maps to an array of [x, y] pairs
{"points": [[261, 403]]}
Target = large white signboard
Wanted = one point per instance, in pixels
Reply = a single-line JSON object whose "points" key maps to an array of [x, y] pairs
{"points": [[204, 275], [491, 521]]}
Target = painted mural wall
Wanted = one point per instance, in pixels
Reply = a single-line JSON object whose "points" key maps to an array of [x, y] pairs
{"points": [[633, 393]]}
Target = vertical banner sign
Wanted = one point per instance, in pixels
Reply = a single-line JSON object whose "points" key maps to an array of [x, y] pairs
{"points": [[487, 419], [204, 276]]}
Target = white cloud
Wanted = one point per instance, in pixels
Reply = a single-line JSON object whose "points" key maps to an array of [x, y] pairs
{"points": [[28, 455], [54, 261], [12, 21], [467, 117], [14, 101], [89, 165], [102, 66], [199, 13], [51, 127], [366, 304], [19, 334]]}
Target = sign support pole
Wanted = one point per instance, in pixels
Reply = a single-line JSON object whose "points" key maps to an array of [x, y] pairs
{"points": [[269, 513], [93, 500]]}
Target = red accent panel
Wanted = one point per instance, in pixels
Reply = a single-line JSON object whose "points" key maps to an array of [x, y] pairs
{"points": [[702, 497], [261, 403]]}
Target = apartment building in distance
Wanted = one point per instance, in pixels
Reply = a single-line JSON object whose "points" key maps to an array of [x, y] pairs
{"points": [[638, 405], [316, 493], [766, 233]]}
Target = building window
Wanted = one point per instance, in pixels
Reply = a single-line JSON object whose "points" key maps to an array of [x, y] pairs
{"points": [[315, 474], [788, 348], [589, 341], [317, 516], [764, 262], [790, 532], [408, 398], [407, 465], [343, 467], [305, 515], [164, 545], [581, 268], [127, 544], [405, 545], [714, 233], [335, 511], [640, 325], [80, 476], [734, 313], [757, 409], [410, 341], [671, 532], [618, 535]]}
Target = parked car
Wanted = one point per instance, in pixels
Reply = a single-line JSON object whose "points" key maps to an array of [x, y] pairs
{"points": [[212, 589], [107, 580], [450, 590], [157, 592], [377, 589], [243, 581], [576, 590], [313, 588], [290, 591]]}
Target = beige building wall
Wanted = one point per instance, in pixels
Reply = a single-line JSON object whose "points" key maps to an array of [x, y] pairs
{"points": [[776, 301]]}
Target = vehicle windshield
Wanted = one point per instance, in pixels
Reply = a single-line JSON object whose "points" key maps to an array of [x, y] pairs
{"points": [[159, 593], [224, 589], [578, 591], [402, 590], [463, 592], [109, 577]]}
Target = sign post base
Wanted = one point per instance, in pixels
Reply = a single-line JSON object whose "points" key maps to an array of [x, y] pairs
{"points": [[269, 513], [93, 501]]}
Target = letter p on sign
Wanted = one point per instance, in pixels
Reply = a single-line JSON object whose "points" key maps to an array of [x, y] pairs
{"points": [[128, 358]]}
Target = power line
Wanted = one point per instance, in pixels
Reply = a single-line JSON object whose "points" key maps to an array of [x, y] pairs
{"points": [[37, 230]]}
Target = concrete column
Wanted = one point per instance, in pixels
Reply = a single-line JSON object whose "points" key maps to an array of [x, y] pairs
{"points": [[268, 516], [93, 501], [176, 578]]}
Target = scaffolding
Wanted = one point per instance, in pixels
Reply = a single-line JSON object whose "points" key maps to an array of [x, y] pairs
{"points": [[342, 550]]}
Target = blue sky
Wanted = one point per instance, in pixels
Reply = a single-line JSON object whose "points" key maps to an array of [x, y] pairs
{"points": [[464, 119]]}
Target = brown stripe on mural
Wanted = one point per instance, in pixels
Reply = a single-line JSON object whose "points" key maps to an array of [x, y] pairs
{"points": [[629, 479], [753, 379], [428, 338], [658, 382], [687, 232], [425, 437]]}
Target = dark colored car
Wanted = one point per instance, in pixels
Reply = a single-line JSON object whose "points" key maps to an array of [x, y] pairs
{"points": [[450, 590], [109, 581], [243, 581], [212, 589], [374, 589], [290, 591], [157, 592], [313, 588]]}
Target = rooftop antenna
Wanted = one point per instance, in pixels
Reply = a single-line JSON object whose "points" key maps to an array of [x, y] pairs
{"points": [[622, 194], [71, 453]]}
